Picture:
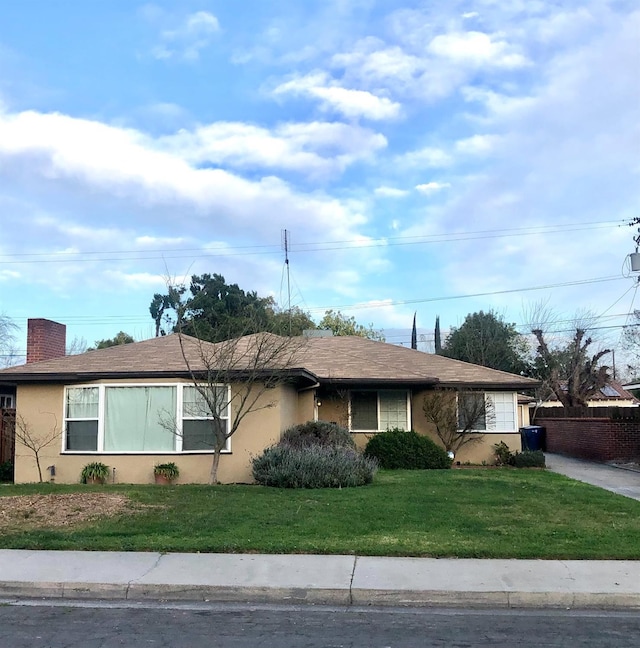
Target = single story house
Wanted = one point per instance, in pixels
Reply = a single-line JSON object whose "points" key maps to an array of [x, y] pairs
{"points": [[136, 405]]}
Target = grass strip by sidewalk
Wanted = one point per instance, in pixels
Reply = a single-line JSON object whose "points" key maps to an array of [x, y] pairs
{"points": [[462, 513]]}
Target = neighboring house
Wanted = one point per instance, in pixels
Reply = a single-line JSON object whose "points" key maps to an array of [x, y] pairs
{"points": [[612, 394], [112, 405]]}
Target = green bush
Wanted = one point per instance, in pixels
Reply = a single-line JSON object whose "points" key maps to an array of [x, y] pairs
{"points": [[529, 459], [525, 459], [315, 466], [314, 433], [95, 471], [406, 449], [504, 456], [6, 471]]}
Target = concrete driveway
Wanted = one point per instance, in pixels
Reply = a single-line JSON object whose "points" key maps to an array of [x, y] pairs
{"points": [[617, 480]]}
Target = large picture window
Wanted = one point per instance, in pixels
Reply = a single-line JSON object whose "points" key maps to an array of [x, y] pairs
{"points": [[145, 418], [376, 411], [487, 412]]}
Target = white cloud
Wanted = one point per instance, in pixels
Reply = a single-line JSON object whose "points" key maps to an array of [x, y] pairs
{"points": [[307, 148], [432, 187], [126, 163], [390, 192], [348, 102], [498, 105], [476, 48], [429, 157], [156, 241], [189, 38], [478, 144], [136, 280]]}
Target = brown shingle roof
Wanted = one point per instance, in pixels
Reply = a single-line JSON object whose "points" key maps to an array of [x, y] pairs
{"points": [[359, 359], [332, 359]]}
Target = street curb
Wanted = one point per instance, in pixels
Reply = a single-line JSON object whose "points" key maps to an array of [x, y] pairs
{"points": [[335, 597]]}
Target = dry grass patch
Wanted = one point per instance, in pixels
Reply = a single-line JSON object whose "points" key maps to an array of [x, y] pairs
{"points": [[60, 510]]}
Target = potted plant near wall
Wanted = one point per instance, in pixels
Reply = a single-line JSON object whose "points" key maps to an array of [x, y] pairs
{"points": [[94, 473], [166, 473]]}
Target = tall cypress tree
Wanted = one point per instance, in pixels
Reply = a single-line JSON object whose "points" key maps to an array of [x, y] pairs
{"points": [[414, 334], [438, 341]]}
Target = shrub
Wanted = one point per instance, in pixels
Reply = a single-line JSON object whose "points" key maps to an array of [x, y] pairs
{"points": [[315, 466], [529, 459], [525, 459], [168, 471], [504, 456], [320, 433], [406, 449], [6, 471], [95, 472]]}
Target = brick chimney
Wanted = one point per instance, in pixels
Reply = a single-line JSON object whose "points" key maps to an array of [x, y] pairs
{"points": [[46, 340]]}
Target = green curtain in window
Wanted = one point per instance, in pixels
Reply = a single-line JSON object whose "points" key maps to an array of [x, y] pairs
{"points": [[82, 402], [137, 418]]}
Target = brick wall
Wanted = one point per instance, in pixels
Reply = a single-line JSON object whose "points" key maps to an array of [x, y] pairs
{"points": [[46, 340], [597, 438]]}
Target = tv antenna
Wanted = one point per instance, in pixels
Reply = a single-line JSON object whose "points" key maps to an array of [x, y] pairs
{"points": [[285, 246]]}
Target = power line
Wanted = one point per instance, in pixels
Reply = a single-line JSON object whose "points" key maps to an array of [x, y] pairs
{"points": [[88, 320], [455, 297], [316, 246]]}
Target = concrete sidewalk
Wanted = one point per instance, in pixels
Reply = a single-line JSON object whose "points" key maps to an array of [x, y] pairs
{"points": [[617, 480], [331, 580]]}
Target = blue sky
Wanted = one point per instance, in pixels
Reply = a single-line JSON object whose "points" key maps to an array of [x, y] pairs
{"points": [[423, 156]]}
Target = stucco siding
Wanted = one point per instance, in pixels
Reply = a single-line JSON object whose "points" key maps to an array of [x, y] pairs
{"points": [[42, 410]]}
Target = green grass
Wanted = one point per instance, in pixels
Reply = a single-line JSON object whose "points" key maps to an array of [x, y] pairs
{"points": [[464, 513]]}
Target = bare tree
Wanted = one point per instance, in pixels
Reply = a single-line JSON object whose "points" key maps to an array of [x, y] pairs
{"points": [[8, 352], [234, 378], [33, 442], [77, 346], [568, 367], [458, 416]]}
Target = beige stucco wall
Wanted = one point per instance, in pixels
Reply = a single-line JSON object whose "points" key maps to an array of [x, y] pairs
{"points": [[334, 409], [42, 409], [306, 406]]}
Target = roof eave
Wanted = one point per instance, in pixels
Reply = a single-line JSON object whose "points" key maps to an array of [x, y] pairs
{"points": [[90, 376], [397, 382]]}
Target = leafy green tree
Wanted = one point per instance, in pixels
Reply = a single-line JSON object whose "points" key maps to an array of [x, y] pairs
{"points": [[486, 339], [213, 311], [342, 325], [119, 338], [294, 323], [163, 309]]}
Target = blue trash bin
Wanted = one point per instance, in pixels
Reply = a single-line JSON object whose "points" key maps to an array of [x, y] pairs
{"points": [[532, 437]]}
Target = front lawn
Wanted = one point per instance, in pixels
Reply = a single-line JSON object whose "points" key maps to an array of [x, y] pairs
{"points": [[464, 513]]}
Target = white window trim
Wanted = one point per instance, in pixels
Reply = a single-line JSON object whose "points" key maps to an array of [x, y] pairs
{"points": [[514, 399], [377, 392], [101, 410], [6, 401]]}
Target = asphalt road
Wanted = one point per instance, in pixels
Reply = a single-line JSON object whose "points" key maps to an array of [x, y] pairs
{"points": [[103, 625]]}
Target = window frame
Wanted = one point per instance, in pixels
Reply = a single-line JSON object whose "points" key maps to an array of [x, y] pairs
{"points": [[407, 394], [179, 417], [7, 401], [491, 426]]}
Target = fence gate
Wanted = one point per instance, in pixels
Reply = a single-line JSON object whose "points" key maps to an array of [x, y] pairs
{"points": [[7, 434]]}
